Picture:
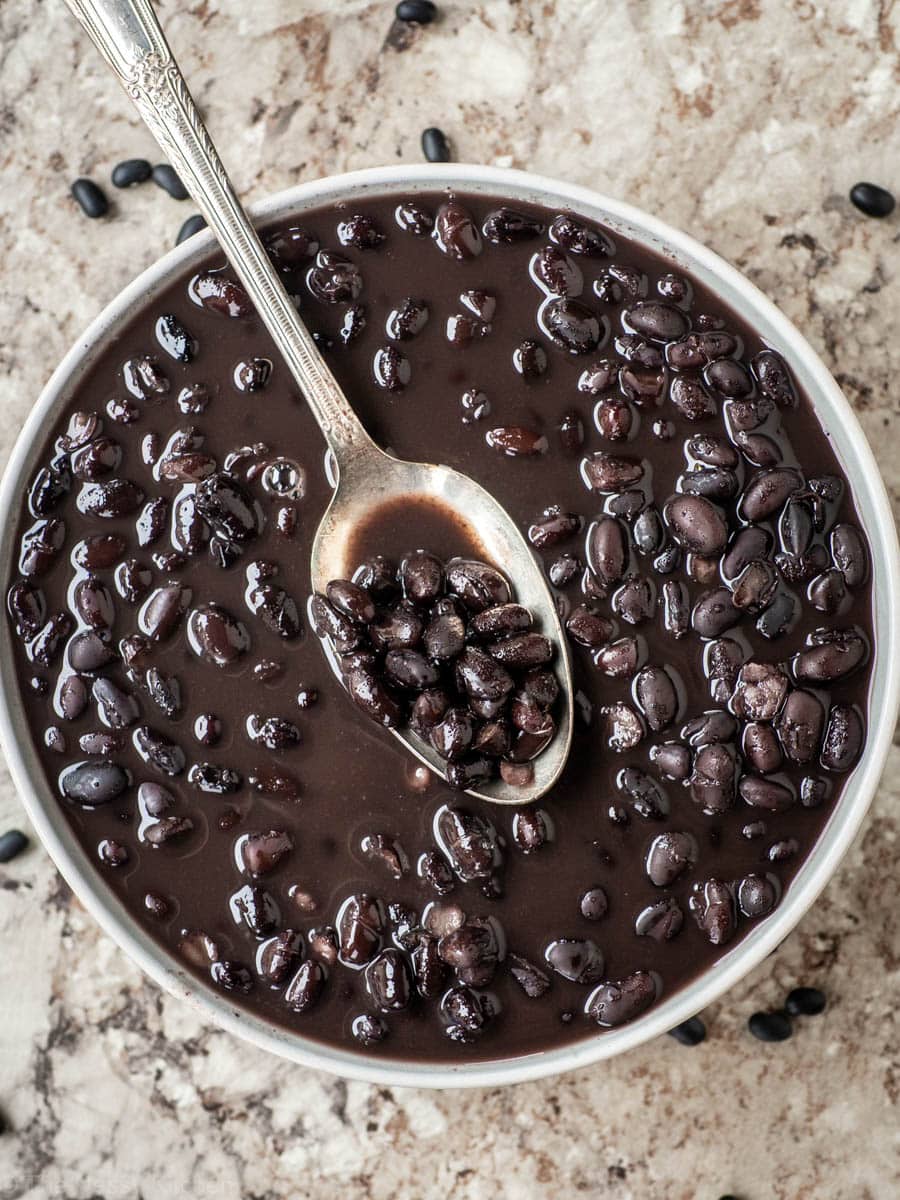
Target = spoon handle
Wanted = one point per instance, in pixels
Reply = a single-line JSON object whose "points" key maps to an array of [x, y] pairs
{"points": [[128, 35]]}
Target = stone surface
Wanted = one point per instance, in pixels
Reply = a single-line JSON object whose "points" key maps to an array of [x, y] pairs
{"points": [[744, 122]]}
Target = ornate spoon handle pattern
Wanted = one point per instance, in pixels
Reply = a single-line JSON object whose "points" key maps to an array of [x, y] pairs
{"points": [[128, 35]]}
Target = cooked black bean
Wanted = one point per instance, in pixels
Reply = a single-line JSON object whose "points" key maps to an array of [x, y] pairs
{"points": [[661, 921], [614, 1003], [715, 612], [766, 793], [843, 739], [477, 584], [506, 225], [767, 492], [761, 747], [696, 524], [94, 783], [371, 695], [656, 697], [610, 473], [840, 655], [669, 856], [712, 905]]}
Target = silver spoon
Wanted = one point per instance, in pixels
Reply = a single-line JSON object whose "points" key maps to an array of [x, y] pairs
{"points": [[128, 35]]}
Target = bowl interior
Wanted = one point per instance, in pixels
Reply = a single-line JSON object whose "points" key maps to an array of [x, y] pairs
{"points": [[852, 451]]}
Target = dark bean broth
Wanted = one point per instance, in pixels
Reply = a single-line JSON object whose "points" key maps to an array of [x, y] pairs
{"points": [[346, 784]]}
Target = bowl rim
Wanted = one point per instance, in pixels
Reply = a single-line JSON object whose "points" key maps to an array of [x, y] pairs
{"points": [[46, 814]]}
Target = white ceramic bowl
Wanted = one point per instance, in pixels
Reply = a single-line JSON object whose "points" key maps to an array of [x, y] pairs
{"points": [[835, 413]]}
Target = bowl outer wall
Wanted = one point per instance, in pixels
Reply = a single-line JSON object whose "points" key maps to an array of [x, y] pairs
{"points": [[852, 450]]}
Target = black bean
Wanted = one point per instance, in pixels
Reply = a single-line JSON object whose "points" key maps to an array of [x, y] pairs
{"points": [[50, 486], [166, 177], [656, 321], [435, 146], [848, 551], [334, 279], [478, 585], [48, 641], [620, 659], [770, 1026], [614, 1003], [191, 226], [420, 12], [714, 612], [40, 545], [836, 658], [508, 226], [871, 199], [621, 727], [578, 238], [410, 669], [692, 399], [466, 1014], [391, 369], [696, 524], [396, 628], [689, 1033], [612, 474], [359, 927], [672, 760], [761, 748], [712, 905], [387, 981], [766, 793], [570, 324], [553, 526], [656, 697], [530, 359], [661, 921], [805, 1002], [304, 990], [359, 231], [90, 198], [576, 959], [216, 636], [523, 651], [470, 842], [670, 855], [455, 233], [767, 492], [614, 418], [533, 981], [260, 853], [452, 735], [27, 607], [370, 694], [714, 451], [500, 621], [175, 339], [131, 171], [93, 783], [12, 843], [800, 725], [716, 483], [843, 739]]}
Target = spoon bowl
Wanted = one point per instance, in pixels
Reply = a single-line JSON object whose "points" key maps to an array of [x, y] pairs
{"points": [[128, 35], [371, 479]]}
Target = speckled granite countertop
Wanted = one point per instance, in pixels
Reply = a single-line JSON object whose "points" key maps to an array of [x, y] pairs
{"points": [[742, 121]]}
